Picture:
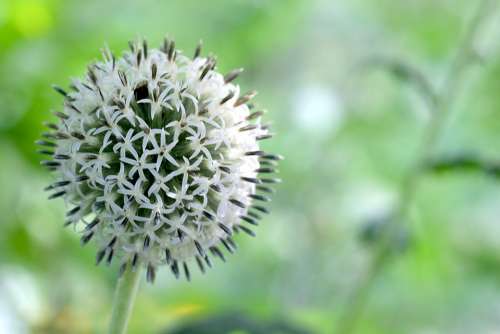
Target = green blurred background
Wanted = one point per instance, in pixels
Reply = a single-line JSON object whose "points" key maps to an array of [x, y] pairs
{"points": [[349, 136]]}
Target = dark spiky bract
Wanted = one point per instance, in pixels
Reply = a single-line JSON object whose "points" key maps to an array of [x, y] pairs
{"points": [[157, 157]]}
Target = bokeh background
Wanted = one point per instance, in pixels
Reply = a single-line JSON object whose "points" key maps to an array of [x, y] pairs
{"points": [[349, 134]]}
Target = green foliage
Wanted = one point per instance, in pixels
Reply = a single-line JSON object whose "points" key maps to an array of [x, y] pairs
{"points": [[307, 256]]}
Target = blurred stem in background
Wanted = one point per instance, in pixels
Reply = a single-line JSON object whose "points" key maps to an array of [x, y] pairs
{"points": [[465, 56], [126, 291], [465, 162]]}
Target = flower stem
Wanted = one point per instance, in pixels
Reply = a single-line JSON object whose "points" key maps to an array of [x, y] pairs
{"points": [[124, 298], [465, 55]]}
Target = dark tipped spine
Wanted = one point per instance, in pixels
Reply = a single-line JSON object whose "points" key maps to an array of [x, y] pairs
{"points": [[225, 228], [186, 271], [232, 75], [150, 273], [60, 90], [197, 51], [247, 230], [216, 252]]}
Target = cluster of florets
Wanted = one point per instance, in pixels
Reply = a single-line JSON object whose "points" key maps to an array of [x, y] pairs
{"points": [[157, 157]]}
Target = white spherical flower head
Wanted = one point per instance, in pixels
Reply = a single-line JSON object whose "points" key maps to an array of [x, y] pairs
{"points": [[157, 156]]}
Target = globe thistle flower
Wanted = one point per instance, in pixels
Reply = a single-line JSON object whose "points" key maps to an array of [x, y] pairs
{"points": [[157, 154]]}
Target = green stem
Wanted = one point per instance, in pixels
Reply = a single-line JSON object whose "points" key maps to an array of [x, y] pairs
{"points": [[124, 298], [465, 55]]}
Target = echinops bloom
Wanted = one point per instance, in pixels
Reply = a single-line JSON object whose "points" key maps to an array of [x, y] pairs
{"points": [[157, 157]]}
